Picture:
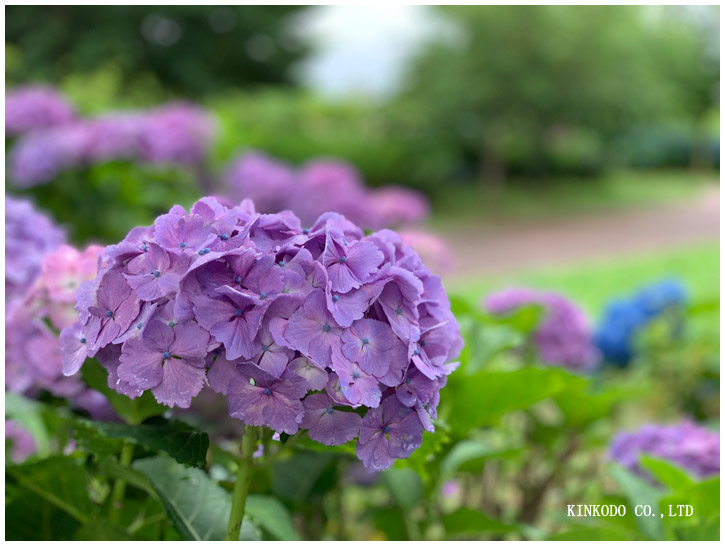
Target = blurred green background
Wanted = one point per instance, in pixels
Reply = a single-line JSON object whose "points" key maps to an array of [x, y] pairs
{"points": [[566, 148]]}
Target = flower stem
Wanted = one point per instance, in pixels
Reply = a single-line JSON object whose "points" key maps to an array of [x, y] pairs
{"points": [[241, 486], [119, 486]]}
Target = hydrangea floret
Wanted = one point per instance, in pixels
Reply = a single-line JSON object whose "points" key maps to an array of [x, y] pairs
{"points": [[318, 327]]}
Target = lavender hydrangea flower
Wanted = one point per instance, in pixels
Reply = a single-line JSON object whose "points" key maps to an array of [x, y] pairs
{"points": [[686, 444], [170, 134], [34, 356], [169, 361], [29, 236], [308, 328], [38, 157], [399, 206], [563, 338], [29, 108], [329, 425], [22, 442], [320, 186], [432, 249], [176, 133], [262, 179], [390, 431]]}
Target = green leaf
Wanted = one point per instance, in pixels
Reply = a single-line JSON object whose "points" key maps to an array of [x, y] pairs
{"points": [[29, 415], [113, 470], [587, 533], [30, 517], [581, 406], [469, 456], [132, 411], [523, 319], [179, 440], [405, 486], [101, 529], [272, 516], [198, 507], [703, 496], [59, 480], [668, 473], [494, 394], [303, 475], [638, 491], [466, 521], [697, 531]]}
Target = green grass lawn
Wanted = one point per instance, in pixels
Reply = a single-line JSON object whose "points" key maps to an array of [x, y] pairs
{"points": [[579, 196], [593, 284]]}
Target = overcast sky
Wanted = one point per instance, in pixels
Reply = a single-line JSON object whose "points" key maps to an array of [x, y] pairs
{"points": [[362, 50]]}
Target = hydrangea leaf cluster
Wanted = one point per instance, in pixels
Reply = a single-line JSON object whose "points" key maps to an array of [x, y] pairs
{"points": [[563, 337], [176, 133], [686, 444], [624, 318], [319, 327], [28, 108], [319, 186], [36, 312]]}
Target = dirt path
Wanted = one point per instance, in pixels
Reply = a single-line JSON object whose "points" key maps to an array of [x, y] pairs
{"points": [[515, 245]]}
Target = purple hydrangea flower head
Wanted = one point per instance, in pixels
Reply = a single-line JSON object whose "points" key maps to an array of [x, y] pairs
{"points": [[432, 249], [21, 440], [176, 133], [320, 328], [399, 206], [29, 108], [563, 337], [170, 134], [29, 236], [34, 356], [38, 157], [319, 186], [62, 273], [693, 447], [114, 136], [327, 185], [262, 179]]}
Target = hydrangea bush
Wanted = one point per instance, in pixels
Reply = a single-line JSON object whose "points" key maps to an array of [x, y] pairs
{"points": [[319, 327], [176, 133], [28, 108], [691, 446], [563, 337], [29, 236], [318, 186], [41, 279]]}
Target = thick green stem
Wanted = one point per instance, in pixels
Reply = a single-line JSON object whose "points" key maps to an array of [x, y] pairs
{"points": [[241, 486], [119, 487]]}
